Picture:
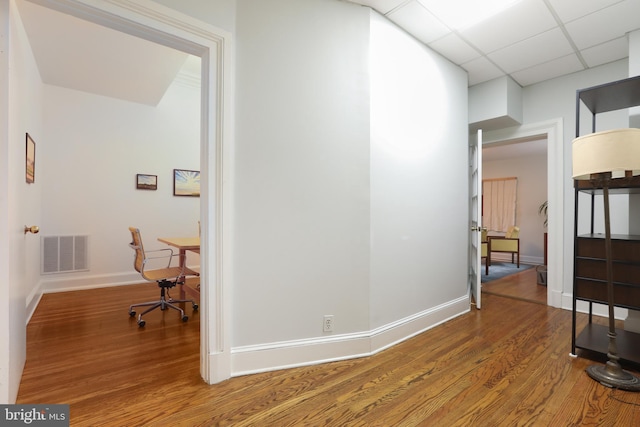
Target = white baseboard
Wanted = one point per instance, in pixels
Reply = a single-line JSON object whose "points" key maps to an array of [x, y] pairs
{"points": [[77, 283], [601, 310], [283, 355], [289, 354], [68, 282], [32, 301]]}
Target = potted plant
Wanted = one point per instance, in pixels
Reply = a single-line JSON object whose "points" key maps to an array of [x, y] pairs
{"points": [[542, 211]]}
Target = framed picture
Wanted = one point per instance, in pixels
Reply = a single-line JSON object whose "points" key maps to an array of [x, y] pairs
{"points": [[31, 160], [186, 183], [146, 182]]}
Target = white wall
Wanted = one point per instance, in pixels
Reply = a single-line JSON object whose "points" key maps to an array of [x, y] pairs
{"points": [[220, 13], [302, 170], [94, 148], [556, 98], [634, 70], [335, 213], [495, 104], [419, 177], [531, 172], [634, 121], [24, 115]]}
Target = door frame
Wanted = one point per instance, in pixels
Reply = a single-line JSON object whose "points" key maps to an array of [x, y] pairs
{"points": [[553, 131], [8, 348], [165, 26]]}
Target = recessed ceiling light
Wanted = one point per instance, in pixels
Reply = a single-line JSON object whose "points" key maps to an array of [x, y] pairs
{"points": [[458, 14]]}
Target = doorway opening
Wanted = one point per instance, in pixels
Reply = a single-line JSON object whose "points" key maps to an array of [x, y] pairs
{"points": [[516, 170], [180, 32], [552, 132]]}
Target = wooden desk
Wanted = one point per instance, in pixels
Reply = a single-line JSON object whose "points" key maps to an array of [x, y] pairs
{"points": [[184, 244]]}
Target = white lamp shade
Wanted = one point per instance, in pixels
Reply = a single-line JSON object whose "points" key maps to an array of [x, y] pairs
{"points": [[613, 151]]}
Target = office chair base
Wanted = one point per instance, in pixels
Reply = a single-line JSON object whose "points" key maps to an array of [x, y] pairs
{"points": [[163, 304]]}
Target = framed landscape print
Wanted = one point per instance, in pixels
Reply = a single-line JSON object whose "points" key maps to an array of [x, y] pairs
{"points": [[186, 183], [146, 182], [31, 160]]}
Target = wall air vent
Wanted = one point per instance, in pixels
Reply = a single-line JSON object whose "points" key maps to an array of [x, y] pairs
{"points": [[64, 254]]}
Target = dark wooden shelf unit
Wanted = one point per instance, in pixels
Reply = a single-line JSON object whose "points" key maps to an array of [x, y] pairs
{"points": [[589, 272], [616, 186], [607, 97]]}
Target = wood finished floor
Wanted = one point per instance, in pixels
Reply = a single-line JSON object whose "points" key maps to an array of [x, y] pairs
{"points": [[522, 285], [505, 365]]}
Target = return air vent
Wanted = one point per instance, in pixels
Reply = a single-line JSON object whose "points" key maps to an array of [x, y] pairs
{"points": [[64, 254]]}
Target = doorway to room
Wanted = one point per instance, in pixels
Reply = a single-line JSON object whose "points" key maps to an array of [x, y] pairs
{"points": [[552, 131], [212, 46], [521, 167]]}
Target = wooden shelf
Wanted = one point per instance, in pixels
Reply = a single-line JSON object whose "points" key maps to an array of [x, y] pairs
{"points": [[590, 282], [590, 272], [616, 186], [595, 338], [612, 96]]}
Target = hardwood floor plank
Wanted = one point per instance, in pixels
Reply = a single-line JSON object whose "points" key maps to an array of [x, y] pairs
{"points": [[522, 285], [507, 364]]}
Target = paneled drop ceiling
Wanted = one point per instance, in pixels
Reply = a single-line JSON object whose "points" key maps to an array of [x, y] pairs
{"points": [[531, 41]]}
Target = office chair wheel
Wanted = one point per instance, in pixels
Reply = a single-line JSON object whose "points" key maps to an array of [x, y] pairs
{"points": [[195, 307], [185, 318], [141, 323], [132, 313]]}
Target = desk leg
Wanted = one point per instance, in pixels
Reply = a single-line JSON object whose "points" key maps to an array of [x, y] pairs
{"points": [[183, 261]]}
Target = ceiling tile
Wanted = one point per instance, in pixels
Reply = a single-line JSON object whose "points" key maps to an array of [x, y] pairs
{"points": [[606, 52], [481, 70], [521, 21], [459, 14], [607, 24], [417, 20], [532, 36], [549, 70], [382, 6], [568, 10], [455, 49], [544, 47]]}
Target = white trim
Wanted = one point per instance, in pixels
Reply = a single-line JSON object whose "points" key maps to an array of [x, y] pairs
{"points": [[159, 24], [8, 391], [553, 129], [290, 354], [76, 284]]}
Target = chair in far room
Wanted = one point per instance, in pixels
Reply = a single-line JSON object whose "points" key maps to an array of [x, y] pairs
{"points": [[484, 250], [509, 243], [166, 276]]}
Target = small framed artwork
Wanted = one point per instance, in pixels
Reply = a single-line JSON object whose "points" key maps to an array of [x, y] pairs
{"points": [[186, 183], [146, 182], [31, 160]]}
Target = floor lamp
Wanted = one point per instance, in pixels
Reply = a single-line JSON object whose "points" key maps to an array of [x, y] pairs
{"points": [[598, 157]]}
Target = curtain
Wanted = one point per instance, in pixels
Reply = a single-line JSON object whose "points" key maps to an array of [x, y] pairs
{"points": [[499, 198]]}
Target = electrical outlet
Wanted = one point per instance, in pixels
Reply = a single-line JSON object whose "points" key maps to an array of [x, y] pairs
{"points": [[327, 323]]}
